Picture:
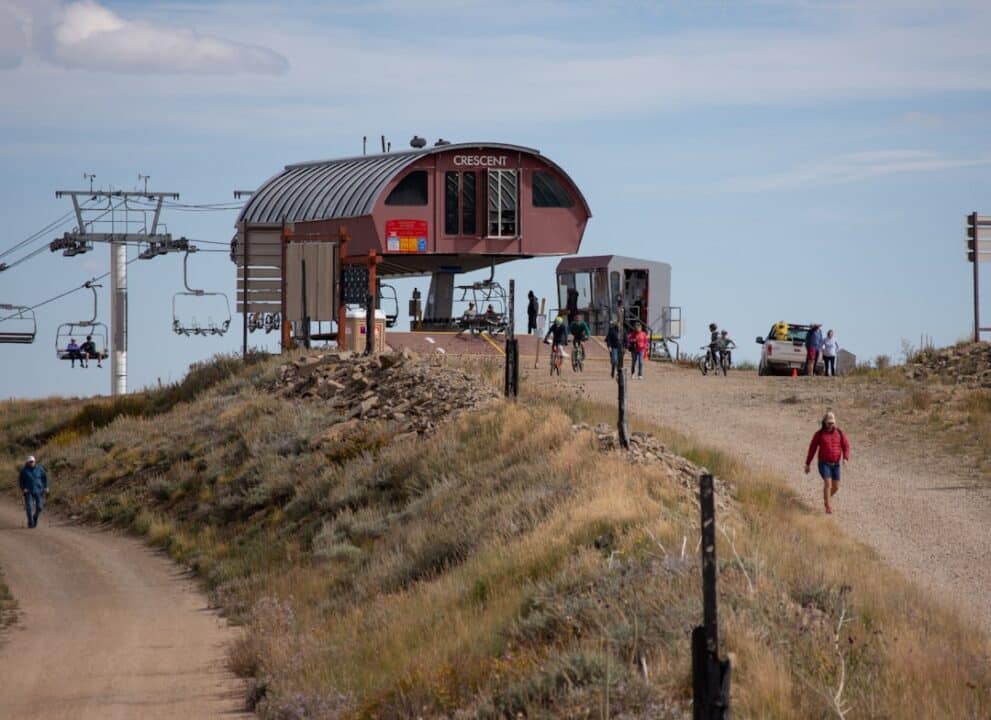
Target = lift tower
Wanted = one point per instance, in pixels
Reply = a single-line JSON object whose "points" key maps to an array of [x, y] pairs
{"points": [[126, 214]]}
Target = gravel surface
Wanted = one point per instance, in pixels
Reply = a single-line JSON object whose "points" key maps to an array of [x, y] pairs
{"points": [[106, 628], [924, 511]]}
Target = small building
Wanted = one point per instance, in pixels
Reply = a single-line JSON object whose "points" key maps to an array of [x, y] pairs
{"points": [[594, 285], [435, 211]]}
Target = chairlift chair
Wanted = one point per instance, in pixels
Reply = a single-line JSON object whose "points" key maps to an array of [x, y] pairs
{"points": [[389, 302], [193, 326], [17, 324], [81, 329]]}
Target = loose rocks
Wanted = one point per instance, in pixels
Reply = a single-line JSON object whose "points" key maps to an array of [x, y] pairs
{"points": [[412, 394], [967, 364]]}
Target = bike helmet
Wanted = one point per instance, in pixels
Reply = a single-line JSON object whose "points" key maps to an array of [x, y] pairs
{"points": [[559, 320], [712, 326]]}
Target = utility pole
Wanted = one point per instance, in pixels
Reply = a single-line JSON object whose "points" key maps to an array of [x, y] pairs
{"points": [[128, 224]]}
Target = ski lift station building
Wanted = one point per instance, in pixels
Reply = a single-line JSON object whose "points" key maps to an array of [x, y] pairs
{"points": [[438, 211]]}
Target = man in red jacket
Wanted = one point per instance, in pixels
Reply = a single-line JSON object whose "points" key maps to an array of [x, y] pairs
{"points": [[832, 446]]}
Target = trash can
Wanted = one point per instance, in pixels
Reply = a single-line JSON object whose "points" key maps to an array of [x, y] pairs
{"points": [[355, 331]]}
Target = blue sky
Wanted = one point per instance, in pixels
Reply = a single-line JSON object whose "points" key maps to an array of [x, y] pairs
{"points": [[791, 159]]}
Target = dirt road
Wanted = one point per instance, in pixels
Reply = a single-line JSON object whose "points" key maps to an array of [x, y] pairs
{"points": [[925, 513], [107, 629]]}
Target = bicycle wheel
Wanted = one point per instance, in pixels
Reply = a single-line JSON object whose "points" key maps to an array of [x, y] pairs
{"points": [[704, 365], [724, 364], [581, 359]]}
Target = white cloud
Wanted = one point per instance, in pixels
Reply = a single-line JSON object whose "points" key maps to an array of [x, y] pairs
{"points": [[88, 36], [854, 167]]}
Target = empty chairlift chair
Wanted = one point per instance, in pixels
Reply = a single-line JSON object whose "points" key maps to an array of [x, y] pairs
{"points": [[80, 330], [17, 325], [190, 325]]}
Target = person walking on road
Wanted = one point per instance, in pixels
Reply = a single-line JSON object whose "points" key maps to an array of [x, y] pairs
{"points": [[33, 482], [532, 309], [829, 349], [832, 445], [638, 343], [615, 345]]}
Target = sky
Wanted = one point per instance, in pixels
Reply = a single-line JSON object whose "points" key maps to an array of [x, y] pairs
{"points": [[804, 160]]}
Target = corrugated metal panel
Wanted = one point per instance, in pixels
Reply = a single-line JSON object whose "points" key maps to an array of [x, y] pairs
{"points": [[342, 188], [330, 189]]}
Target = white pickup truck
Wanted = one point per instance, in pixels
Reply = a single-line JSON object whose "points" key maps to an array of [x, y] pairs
{"points": [[782, 356]]}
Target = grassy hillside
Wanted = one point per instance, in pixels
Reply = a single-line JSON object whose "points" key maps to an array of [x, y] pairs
{"points": [[506, 565]]}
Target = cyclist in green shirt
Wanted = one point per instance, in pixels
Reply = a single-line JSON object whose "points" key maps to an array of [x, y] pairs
{"points": [[580, 331]]}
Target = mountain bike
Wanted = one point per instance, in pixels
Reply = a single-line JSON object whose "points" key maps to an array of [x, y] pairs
{"points": [[706, 361], [578, 357], [557, 359], [725, 361]]}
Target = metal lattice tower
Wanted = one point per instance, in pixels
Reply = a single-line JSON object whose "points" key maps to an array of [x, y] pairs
{"points": [[126, 215]]}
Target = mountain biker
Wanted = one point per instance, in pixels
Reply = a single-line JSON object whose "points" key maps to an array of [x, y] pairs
{"points": [[559, 331], [580, 331], [714, 344], [726, 346]]}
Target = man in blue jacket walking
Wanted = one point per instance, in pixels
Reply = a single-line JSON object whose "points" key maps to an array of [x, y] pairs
{"points": [[34, 484]]}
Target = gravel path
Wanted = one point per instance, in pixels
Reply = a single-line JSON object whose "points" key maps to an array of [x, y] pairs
{"points": [[924, 513], [106, 629]]}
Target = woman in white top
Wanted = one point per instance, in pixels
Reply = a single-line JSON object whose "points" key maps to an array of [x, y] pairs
{"points": [[829, 349]]}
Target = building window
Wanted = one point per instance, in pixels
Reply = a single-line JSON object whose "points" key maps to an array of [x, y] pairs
{"points": [[411, 190], [548, 192], [503, 202], [450, 203], [468, 204]]}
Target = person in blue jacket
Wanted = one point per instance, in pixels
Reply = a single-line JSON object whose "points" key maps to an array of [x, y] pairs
{"points": [[33, 481]]}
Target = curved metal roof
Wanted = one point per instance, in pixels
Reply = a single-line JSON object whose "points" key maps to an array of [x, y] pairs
{"points": [[343, 188]]}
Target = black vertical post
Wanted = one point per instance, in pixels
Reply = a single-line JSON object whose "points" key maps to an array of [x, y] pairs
{"points": [[512, 377], [977, 259], [621, 423], [305, 316], [710, 675]]}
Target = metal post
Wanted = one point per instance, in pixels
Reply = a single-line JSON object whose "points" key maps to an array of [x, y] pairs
{"points": [[244, 295], [370, 324], [286, 325], [710, 675], [370, 314], [118, 314], [977, 262]]}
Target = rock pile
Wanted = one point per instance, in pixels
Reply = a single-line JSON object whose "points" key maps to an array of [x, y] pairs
{"points": [[966, 364], [395, 387], [645, 449]]}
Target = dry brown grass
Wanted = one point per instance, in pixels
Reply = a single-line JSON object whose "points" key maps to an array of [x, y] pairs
{"points": [[505, 566]]}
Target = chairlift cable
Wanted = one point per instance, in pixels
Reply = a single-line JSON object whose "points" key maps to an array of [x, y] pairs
{"points": [[84, 286], [36, 235]]}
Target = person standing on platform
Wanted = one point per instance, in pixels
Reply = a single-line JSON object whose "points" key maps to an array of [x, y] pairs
{"points": [[532, 309]]}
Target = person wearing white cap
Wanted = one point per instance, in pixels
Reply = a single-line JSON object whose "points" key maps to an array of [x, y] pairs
{"points": [[831, 444], [33, 482]]}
